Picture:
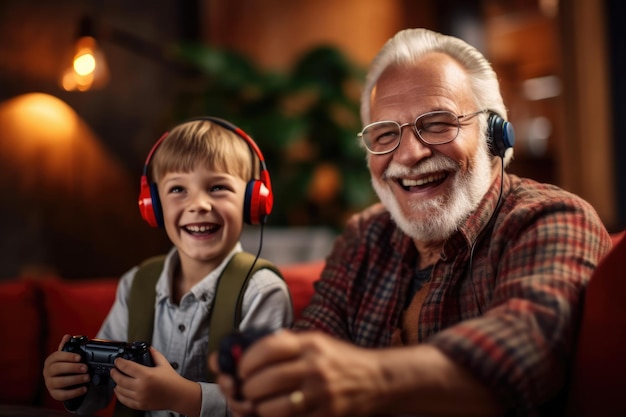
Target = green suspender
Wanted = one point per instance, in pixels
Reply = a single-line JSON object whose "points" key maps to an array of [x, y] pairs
{"points": [[225, 314], [142, 299]]}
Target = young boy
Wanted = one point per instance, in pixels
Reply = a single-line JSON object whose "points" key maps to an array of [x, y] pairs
{"points": [[201, 193]]}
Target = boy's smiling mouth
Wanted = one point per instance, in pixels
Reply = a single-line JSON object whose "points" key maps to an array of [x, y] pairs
{"points": [[201, 229]]}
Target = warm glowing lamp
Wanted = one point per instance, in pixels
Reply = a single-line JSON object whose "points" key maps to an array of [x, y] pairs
{"points": [[87, 69]]}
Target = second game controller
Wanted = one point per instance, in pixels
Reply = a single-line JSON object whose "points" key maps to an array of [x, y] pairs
{"points": [[231, 350]]}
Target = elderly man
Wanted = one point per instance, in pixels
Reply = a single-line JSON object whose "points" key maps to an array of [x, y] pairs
{"points": [[460, 292]]}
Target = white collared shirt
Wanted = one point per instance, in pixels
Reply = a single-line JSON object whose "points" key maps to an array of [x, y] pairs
{"points": [[181, 332]]}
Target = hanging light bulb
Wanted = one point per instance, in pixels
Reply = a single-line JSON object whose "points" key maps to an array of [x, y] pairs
{"points": [[87, 69]]}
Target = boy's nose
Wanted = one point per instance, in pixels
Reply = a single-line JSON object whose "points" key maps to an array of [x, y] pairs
{"points": [[200, 203]]}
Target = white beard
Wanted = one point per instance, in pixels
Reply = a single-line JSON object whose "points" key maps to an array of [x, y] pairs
{"points": [[436, 219]]}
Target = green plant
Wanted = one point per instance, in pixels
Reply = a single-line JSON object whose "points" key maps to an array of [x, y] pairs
{"points": [[304, 120]]}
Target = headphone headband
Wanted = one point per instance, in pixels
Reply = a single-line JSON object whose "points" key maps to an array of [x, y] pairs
{"points": [[259, 198]]}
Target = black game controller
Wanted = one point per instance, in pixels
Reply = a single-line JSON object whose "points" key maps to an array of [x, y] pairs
{"points": [[232, 348], [99, 355]]}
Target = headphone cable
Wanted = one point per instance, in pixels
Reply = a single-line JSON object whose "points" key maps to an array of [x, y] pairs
{"points": [[479, 235], [256, 258]]}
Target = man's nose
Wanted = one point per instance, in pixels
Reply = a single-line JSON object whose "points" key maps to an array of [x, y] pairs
{"points": [[411, 148]]}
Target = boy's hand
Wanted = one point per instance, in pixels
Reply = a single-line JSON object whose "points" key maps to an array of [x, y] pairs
{"points": [[155, 388], [62, 370]]}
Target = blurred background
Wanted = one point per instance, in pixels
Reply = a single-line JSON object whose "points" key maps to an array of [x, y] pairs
{"points": [[72, 147]]}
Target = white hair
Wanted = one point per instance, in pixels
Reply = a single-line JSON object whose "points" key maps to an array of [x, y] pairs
{"points": [[409, 45]]}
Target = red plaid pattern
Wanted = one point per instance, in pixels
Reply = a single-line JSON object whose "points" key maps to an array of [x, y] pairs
{"points": [[530, 268]]}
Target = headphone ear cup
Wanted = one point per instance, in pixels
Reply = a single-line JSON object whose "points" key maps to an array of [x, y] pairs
{"points": [[156, 205], [145, 202], [149, 203], [256, 203], [500, 135]]}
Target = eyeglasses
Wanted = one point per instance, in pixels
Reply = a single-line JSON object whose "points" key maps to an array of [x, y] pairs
{"points": [[432, 128]]}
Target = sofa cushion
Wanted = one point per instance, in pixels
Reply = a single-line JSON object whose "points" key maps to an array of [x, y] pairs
{"points": [[300, 278], [20, 352], [76, 307]]}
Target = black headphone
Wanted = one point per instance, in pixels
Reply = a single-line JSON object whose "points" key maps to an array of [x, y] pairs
{"points": [[258, 200], [500, 135]]}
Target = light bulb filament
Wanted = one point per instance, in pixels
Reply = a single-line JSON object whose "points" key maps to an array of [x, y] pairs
{"points": [[84, 63]]}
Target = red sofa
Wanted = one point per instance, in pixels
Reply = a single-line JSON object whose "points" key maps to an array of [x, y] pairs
{"points": [[598, 377], [35, 313]]}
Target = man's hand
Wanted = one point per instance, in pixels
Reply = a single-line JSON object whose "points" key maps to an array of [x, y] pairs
{"points": [[288, 374], [155, 388]]}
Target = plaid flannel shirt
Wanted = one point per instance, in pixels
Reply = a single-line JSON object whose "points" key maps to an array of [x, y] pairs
{"points": [[511, 321]]}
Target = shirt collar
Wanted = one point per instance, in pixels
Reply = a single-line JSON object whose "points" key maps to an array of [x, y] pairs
{"points": [[204, 289], [476, 222]]}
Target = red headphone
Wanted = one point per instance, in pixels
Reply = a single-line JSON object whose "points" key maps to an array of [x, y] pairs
{"points": [[258, 200]]}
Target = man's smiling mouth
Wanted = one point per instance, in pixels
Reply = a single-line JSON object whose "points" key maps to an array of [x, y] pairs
{"points": [[429, 180]]}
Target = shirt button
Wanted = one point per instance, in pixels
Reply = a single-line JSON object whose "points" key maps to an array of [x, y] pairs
{"points": [[181, 327], [174, 365]]}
